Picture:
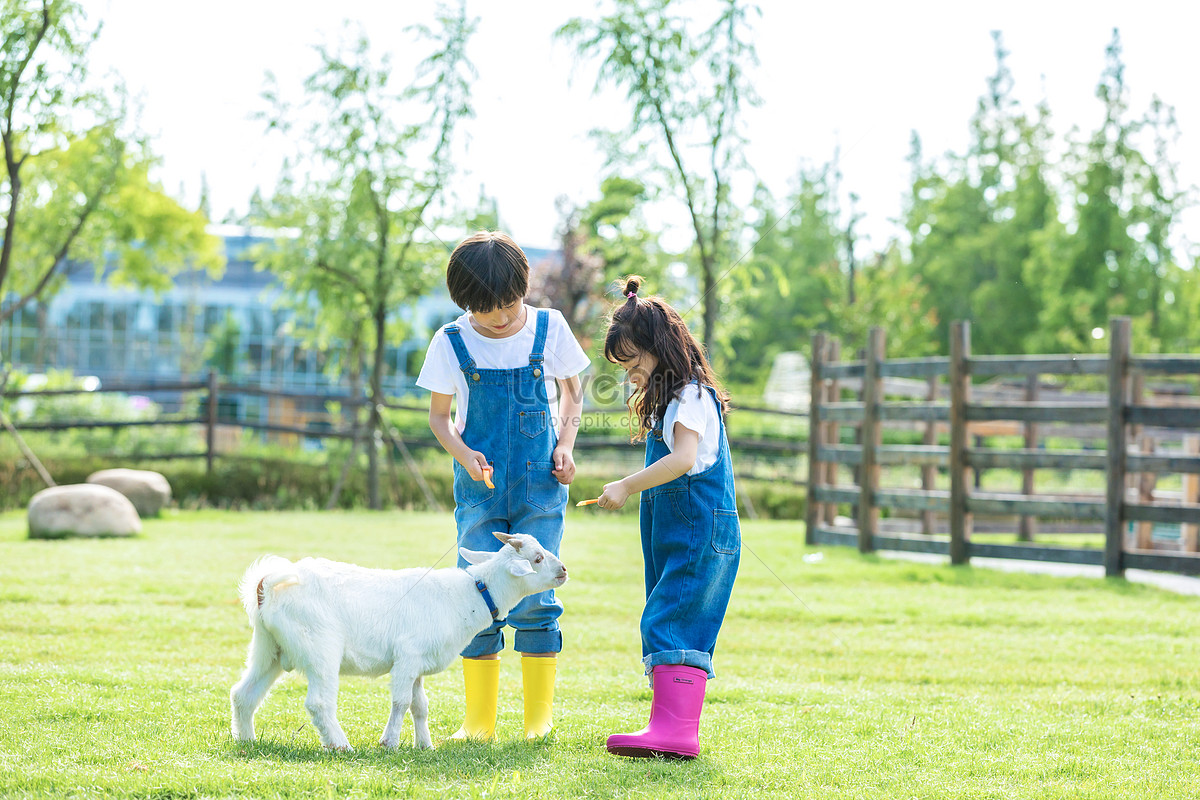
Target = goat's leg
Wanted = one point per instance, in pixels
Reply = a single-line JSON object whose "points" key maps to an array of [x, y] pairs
{"points": [[420, 715], [262, 670], [321, 704], [402, 696]]}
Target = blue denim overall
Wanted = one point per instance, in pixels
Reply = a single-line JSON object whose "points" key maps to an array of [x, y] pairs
{"points": [[692, 543], [508, 420]]}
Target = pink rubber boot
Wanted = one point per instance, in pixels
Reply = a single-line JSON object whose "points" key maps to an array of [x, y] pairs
{"points": [[674, 729]]}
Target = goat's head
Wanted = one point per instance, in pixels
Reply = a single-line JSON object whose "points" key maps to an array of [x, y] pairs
{"points": [[538, 568]]}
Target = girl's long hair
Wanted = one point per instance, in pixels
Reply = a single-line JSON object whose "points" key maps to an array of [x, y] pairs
{"points": [[650, 325]]}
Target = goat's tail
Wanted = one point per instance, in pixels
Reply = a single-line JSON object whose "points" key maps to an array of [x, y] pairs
{"points": [[264, 575]]}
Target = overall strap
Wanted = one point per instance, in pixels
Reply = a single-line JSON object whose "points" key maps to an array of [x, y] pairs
{"points": [[720, 413], [454, 335], [539, 337]]}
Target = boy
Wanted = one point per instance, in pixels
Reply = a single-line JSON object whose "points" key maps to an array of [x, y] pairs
{"points": [[512, 452]]}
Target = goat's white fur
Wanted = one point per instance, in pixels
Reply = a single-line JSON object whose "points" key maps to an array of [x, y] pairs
{"points": [[323, 618]]}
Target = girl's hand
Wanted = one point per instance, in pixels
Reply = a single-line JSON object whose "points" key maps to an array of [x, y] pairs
{"points": [[475, 463], [614, 495], [564, 465]]}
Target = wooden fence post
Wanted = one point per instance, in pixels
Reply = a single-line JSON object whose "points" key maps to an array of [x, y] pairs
{"points": [[868, 514], [1119, 351], [211, 428], [832, 432], [1028, 524], [960, 379], [1145, 485], [859, 355], [1191, 494], [929, 472], [812, 509]]}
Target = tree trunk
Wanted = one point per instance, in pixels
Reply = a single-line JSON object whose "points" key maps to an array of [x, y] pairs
{"points": [[355, 426], [709, 283], [374, 423]]}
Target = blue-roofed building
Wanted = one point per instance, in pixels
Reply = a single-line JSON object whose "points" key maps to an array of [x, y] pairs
{"points": [[128, 336]]}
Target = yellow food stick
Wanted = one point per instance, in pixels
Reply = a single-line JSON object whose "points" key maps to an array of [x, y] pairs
{"points": [[487, 477], [587, 502]]}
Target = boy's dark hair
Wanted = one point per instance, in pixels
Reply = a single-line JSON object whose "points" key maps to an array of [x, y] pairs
{"points": [[487, 271], [650, 325]]}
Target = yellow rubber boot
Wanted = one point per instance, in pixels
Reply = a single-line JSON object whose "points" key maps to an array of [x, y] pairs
{"points": [[537, 677], [481, 679]]}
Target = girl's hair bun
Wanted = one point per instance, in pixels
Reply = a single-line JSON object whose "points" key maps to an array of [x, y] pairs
{"points": [[632, 284]]}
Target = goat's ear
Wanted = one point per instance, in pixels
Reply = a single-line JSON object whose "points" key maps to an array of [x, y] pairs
{"points": [[504, 537], [474, 556], [519, 566]]}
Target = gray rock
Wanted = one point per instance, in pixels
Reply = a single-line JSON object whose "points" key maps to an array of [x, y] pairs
{"points": [[81, 509], [148, 491]]}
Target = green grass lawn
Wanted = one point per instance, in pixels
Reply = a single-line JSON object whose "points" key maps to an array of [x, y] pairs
{"points": [[847, 677]]}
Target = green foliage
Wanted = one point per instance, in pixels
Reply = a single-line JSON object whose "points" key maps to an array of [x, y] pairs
{"points": [[843, 677], [1115, 256], [600, 243], [369, 161], [1056, 246], [92, 407], [973, 219], [356, 209], [790, 284], [687, 86], [76, 188]]}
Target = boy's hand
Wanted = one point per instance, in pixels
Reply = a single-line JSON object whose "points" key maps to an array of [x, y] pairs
{"points": [[614, 495], [564, 465], [475, 463]]}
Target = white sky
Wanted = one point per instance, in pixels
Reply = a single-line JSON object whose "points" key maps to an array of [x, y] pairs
{"points": [[861, 75]]}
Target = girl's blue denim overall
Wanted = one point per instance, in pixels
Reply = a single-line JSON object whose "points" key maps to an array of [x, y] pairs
{"points": [[509, 421], [692, 543]]}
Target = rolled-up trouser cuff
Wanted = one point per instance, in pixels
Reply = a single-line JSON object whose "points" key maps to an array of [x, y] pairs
{"points": [[686, 658], [538, 641], [487, 643]]}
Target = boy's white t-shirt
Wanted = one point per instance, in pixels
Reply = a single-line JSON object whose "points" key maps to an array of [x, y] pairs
{"points": [[564, 358], [696, 410]]}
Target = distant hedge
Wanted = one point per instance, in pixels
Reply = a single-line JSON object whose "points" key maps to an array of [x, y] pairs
{"points": [[276, 484]]}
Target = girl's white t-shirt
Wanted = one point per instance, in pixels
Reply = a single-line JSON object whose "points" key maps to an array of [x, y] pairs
{"points": [[564, 358], [697, 411]]}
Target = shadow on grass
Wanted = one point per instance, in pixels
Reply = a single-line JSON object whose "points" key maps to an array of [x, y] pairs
{"points": [[464, 758]]}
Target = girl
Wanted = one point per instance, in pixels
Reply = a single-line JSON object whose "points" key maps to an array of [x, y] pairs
{"points": [[691, 540]]}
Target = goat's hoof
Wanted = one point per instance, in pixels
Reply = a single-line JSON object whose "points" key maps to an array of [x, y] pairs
{"points": [[386, 745]]}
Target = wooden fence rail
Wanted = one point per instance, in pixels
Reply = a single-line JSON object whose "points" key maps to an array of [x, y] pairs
{"points": [[212, 391], [1121, 413]]}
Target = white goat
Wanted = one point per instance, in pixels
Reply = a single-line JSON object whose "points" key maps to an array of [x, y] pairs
{"points": [[324, 618]]}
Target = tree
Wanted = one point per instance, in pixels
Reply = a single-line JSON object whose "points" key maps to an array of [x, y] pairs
{"points": [[76, 189], [360, 197], [1113, 256], [972, 220], [600, 242], [687, 93], [792, 280]]}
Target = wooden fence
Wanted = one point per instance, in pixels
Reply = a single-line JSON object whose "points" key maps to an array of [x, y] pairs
{"points": [[780, 458], [1127, 457], [212, 392]]}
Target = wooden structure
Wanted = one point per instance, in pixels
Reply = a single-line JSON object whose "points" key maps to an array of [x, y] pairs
{"points": [[1121, 412]]}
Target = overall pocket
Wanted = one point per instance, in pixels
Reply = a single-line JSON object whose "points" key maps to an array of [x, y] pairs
{"points": [[533, 423], [468, 492], [727, 532], [542, 489], [672, 507]]}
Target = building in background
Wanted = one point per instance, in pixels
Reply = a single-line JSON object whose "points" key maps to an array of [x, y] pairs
{"points": [[133, 337]]}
